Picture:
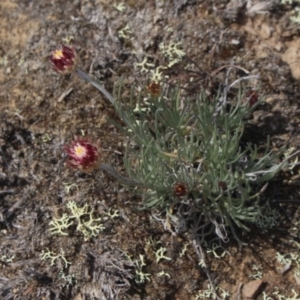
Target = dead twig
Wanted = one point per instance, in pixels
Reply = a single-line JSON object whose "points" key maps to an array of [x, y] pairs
{"points": [[11, 191], [238, 294], [64, 94], [200, 253]]}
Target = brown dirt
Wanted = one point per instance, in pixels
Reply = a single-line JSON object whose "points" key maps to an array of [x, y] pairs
{"points": [[36, 123]]}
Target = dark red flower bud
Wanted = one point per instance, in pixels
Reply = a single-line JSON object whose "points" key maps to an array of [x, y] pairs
{"points": [[180, 189], [154, 89], [251, 97], [64, 60], [83, 154], [222, 185]]}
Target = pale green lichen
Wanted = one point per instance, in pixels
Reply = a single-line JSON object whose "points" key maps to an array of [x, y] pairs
{"points": [[59, 225], [296, 17], [119, 7], [125, 32], [21, 61], [283, 297], [201, 263], [159, 254], [157, 75], [163, 273], [173, 54], [68, 39], [213, 250], [184, 249], [144, 65], [172, 50], [151, 242], [295, 12], [45, 138], [141, 277], [257, 272], [89, 227], [69, 187], [3, 61], [209, 293], [289, 1], [112, 213], [280, 296], [69, 279], [7, 259], [53, 257], [291, 259]]}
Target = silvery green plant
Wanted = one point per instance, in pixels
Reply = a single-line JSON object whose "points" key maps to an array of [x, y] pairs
{"points": [[189, 161], [185, 157]]}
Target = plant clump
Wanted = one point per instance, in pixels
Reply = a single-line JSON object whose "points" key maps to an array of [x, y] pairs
{"points": [[189, 161]]}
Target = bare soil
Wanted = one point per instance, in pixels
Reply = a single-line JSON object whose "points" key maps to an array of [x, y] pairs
{"points": [[41, 111]]}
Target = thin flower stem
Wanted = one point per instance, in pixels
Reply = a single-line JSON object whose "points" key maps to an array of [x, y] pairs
{"points": [[96, 85], [116, 174], [275, 167]]}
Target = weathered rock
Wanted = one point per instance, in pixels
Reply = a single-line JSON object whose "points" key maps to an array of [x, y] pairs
{"points": [[252, 289]]}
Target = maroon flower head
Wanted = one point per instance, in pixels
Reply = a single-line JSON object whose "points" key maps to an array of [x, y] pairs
{"points": [[83, 154], [154, 88], [222, 185], [180, 189], [64, 60], [252, 97]]}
